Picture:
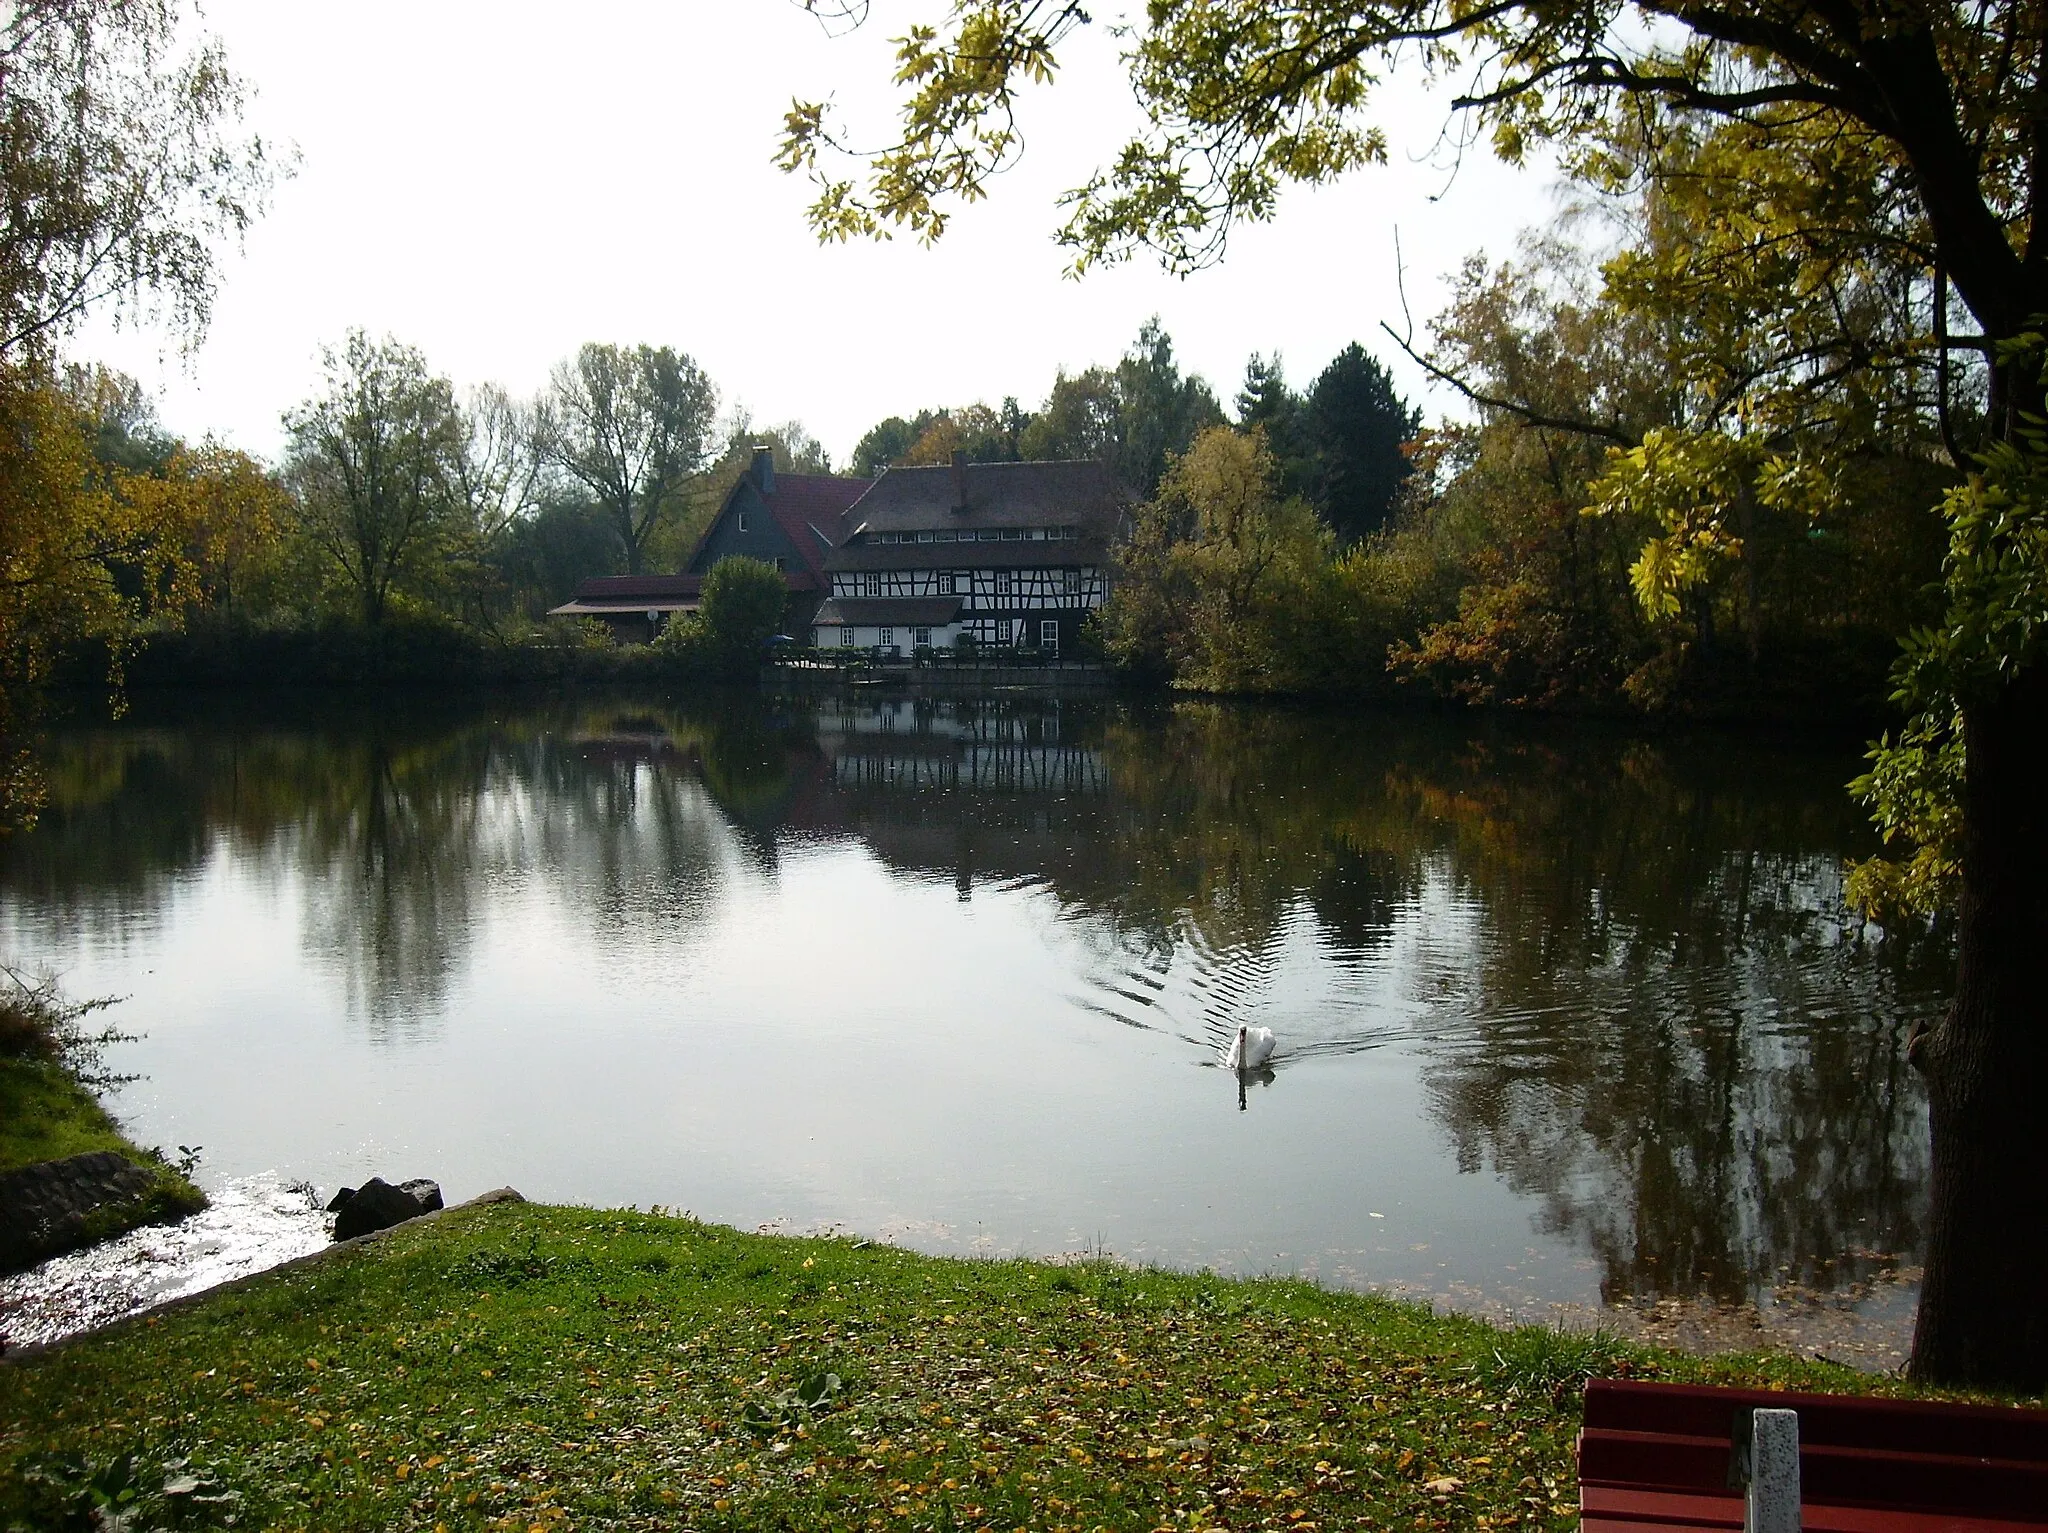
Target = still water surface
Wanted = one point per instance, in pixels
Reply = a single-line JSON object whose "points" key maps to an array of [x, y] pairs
{"points": [[1565, 1017]]}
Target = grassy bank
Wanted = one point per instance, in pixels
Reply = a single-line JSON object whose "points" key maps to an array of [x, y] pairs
{"points": [[48, 1112], [525, 1367]]}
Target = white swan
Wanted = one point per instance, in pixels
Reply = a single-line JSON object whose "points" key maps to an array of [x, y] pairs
{"points": [[1252, 1047]]}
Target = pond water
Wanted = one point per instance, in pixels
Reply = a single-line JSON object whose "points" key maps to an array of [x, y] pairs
{"points": [[1566, 1018]]}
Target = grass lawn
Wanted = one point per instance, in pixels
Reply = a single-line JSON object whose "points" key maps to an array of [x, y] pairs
{"points": [[45, 1114], [517, 1366]]}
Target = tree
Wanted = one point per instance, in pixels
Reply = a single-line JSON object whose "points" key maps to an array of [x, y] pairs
{"points": [[982, 434], [1339, 448], [67, 539], [1225, 578], [1358, 424], [796, 450], [1244, 96], [494, 481], [231, 510], [633, 426], [887, 442], [1265, 401], [374, 465], [119, 168], [1134, 417], [743, 605], [119, 172]]}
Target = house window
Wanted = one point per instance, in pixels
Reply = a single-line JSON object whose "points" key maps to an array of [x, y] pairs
{"points": [[1004, 633], [921, 637], [1013, 534], [885, 636], [846, 638], [781, 565], [743, 521], [946, 583], [1002, 582], [1071, 581], [1049, 634], [871, 585]]}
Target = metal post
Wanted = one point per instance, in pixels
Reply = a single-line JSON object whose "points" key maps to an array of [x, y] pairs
{"points": [[1773, 1503]]}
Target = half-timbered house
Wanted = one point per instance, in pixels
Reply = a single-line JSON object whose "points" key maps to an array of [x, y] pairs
{"points": [[1005, 553]]}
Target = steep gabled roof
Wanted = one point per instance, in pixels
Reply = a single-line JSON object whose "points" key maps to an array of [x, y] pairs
{"points": [[811, 511]]}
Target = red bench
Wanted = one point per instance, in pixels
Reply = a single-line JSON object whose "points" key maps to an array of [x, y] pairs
{"points": [[1656, 1458]]}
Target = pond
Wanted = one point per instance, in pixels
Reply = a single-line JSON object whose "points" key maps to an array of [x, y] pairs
{"points": [[1569, 1019]]}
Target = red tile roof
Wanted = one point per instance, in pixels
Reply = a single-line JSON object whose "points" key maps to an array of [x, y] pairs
{"points": [[807, 505]]}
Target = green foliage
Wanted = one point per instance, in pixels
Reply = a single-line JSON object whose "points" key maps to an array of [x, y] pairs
{"points": [[123, 177], [1159, 413], [1359, 426], [371, 466], [1342, 446], [1134, 416], [889, 442], [1228, 587], [633, 426], [1994, 625], [744, 602], [1550, 1362]]}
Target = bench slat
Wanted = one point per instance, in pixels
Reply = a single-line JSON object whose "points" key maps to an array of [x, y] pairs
{"points": [[1607, 1509], [1914, 1426]]}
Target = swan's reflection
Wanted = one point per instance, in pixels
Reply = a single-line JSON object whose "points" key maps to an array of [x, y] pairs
{"points": [[1263, 1075]]}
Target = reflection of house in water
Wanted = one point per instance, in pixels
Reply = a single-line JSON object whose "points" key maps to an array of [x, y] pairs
{"points": [[913, 743], [962, 790]]}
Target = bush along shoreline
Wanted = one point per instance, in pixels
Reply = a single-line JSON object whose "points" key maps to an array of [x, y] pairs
{"points": [[68, 1176], [511, 1365]]}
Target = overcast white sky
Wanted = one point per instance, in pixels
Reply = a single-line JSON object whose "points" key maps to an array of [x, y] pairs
{"points": [[498, 183]]}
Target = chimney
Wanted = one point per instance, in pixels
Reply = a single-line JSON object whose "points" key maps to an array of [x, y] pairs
{"points": [[959, 480], [764, 470]]}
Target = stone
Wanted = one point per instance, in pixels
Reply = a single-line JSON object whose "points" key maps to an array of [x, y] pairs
{"points": [[334, 1204], [45, 1209], [377, 1205], [427, 1191]]}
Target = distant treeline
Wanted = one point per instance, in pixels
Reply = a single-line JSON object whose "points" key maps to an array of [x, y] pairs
{"points": [[1545, 554]]}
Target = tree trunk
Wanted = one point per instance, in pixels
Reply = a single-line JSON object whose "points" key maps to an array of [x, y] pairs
{"points": [[1983, 1317]]}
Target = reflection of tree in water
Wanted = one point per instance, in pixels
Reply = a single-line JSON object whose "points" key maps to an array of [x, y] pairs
{"points": [[395, 823], [1704, 1126], [1645, 1006]]}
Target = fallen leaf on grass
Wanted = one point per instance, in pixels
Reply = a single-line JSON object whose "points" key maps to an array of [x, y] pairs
{"points": [[1443, 1487]]}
